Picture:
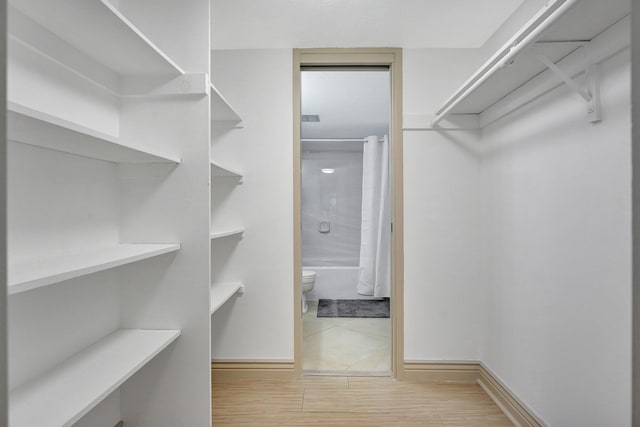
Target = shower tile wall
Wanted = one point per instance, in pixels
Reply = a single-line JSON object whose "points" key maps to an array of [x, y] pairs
{"points": [[335, 198]]}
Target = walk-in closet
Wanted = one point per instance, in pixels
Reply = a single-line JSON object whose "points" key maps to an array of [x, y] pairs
{"points": [[194, 231]]}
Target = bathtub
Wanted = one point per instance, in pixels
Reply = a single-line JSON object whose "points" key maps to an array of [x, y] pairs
{"points": [[334, 282]]}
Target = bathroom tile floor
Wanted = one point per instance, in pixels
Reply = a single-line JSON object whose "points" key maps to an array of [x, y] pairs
{"points": [[345, 344]]}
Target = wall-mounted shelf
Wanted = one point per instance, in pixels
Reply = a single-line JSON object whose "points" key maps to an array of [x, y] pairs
{"points": [[41, 272], [227, 233], [221, 292], [33, 127], [224, 172], [549, 38], [508, 78], [68, 391], [102, 33], [221, 110]]}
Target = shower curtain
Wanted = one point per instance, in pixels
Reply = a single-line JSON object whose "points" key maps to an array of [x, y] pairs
{"points": [[374, 274]]}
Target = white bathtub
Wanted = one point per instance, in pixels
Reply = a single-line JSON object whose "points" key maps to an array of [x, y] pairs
{"points": [[334, 283]]}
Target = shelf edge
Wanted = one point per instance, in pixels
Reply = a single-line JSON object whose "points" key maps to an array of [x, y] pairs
{"points": [[221, 234], [233, 288], [32, 284]]}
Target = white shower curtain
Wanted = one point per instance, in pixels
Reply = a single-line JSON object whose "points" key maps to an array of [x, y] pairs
{"points": [[375, 242]]}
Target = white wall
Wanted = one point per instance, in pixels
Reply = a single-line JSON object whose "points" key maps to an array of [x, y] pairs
{"points": [[635, 82], [3, 226], [516, 20], [557, 261], [441, 213], [441, 202], [258, 324], [442, 265]]}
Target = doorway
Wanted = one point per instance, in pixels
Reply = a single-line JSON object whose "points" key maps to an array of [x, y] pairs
{"points": [[347, 212]]}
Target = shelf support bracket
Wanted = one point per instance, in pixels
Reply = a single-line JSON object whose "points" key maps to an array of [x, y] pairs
{"points": [[590, 94]]}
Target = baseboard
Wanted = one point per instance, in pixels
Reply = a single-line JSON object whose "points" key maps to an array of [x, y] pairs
{"points": [[475, 372], [229, 370], [459, 372], [508, 402]]}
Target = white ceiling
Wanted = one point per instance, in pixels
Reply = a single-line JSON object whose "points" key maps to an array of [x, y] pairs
{"points": [[263, 24], [351, 104]]}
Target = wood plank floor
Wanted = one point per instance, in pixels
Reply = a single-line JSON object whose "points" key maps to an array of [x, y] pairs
{"points": [[352, 401]]}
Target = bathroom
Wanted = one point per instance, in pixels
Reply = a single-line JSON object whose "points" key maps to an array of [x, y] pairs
{"points": [[345, 220]]}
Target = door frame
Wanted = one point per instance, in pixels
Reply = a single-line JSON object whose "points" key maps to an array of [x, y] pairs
{"points": [[339, 57]]}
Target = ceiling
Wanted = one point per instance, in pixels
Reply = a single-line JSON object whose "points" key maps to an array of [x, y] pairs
{"points": [[351, 104], [262, 24]]}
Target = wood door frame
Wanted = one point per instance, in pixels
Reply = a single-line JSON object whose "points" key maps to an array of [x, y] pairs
{"points": [[391, 57]]}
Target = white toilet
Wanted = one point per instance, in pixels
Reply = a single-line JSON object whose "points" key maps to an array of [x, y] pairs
{"points": [[308, 280]]}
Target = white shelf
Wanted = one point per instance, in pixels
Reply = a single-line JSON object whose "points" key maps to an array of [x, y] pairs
{"points": [[222, 171], [71, 389], [556, 32], [37, 273], [508, 79], [97, 29], [227, 233], [37, 128], [221, 110], [221, 292]]}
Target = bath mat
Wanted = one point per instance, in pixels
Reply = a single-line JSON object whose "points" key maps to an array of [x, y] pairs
{"points": [[353, 307]]}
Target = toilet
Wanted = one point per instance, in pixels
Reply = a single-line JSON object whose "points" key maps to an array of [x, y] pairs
{"points": [[308, 280]]}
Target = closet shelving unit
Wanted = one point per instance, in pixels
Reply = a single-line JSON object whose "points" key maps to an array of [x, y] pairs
{"points": [[223, 115], [66, 393], [92, 44], [558, 45]]}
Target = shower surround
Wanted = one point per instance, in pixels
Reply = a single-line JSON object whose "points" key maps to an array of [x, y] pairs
{"points": [[331, 218]]}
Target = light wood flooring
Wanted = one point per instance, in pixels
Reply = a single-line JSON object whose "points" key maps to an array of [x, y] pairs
{"points": [[352, 401]]}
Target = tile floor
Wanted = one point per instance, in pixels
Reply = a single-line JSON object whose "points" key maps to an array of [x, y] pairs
{"points": [[345, 344]]}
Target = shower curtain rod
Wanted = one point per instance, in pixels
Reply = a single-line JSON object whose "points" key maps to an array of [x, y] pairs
{"points": [[337, 140]]}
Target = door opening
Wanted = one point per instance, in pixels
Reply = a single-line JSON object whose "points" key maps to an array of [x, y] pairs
{"points": [[346, 198], [345, 221]]}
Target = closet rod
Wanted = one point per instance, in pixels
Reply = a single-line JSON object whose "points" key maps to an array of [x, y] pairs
{"points": [[520, 41], [337, 140]]}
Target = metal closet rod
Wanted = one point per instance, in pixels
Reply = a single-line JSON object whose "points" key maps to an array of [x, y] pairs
{"points": [[337, 140]]}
